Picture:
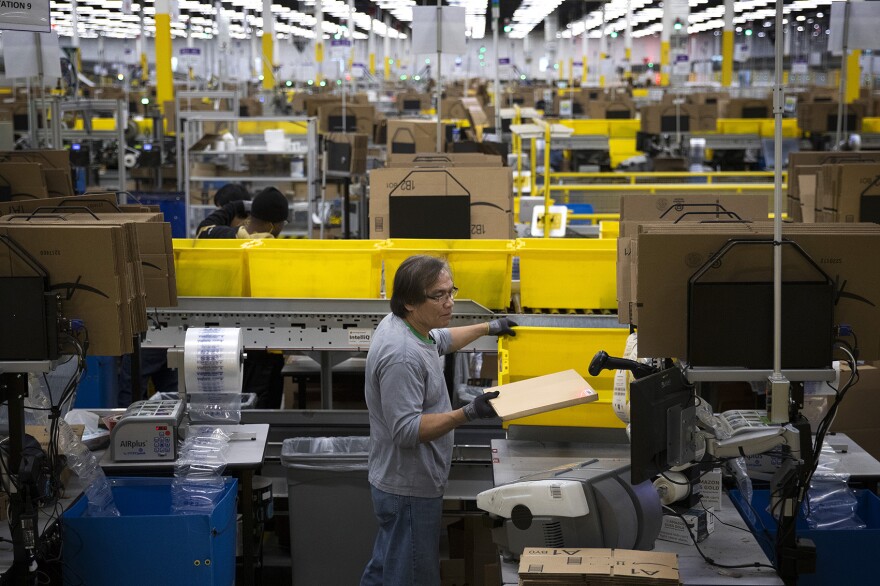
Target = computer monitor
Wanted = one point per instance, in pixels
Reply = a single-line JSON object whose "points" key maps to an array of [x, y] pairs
{"points": [[150, 156], [663, 416], [79, 155], [412, 104]]}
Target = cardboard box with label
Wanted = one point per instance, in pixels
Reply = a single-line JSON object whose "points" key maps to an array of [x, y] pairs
{"points": [[153, 269], [696, 523], [86, 266], [134, 296], [452, 202]]}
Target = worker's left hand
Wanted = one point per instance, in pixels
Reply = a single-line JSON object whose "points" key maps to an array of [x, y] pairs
{"points": [[502, 327]]}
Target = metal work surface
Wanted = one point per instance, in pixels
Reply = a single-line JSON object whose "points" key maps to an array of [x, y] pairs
{"points": [[731, 543], [321, 324]]}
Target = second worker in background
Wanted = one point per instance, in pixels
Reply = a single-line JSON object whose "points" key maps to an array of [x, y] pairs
{"points": [[267, 217]]}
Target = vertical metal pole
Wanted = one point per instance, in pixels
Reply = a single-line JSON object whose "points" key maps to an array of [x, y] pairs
{"points": [[496, 21], [844, 62], [779, 386], [437, 89]]}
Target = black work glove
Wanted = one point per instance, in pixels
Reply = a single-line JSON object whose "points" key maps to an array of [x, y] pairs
{"points": [[502, 327], [480, 408]]}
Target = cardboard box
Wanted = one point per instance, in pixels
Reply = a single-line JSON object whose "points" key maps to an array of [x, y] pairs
{"points": [[857, 413], [453, 108], [346, 153], [96, 202], [624, 109], [661, 118], [598, 566], [489, 189], [134, 293], [432, 159], [809, 163], [850, 192], [412, 136], [55, 166], [698, 523], [541, 394], [361, 115], [821, 117], [406, 101], [636, 209], [749, 108], [86, 266], [24, 181], [667, 256], [688, 208], [153, 271]]}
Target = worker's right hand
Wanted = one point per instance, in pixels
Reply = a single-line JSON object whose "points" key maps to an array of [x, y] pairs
{"points": [[480, 408]]}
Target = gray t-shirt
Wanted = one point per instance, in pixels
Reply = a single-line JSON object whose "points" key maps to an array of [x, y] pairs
{"points": [[404, 378]]}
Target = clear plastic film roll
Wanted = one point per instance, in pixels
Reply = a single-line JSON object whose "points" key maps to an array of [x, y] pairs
{"points": [[213, 360]]}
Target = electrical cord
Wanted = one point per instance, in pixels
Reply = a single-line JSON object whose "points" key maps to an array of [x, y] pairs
{"points": [[707, 559]]}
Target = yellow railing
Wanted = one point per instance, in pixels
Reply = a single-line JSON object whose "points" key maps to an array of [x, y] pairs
{"points": [[653, 188], [636, 178]]}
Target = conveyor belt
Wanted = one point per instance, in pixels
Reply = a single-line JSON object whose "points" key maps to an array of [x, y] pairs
{"points": [[320, 324]]}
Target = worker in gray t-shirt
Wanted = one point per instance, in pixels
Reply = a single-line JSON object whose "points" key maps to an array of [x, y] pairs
{"points": [[411, 418]]}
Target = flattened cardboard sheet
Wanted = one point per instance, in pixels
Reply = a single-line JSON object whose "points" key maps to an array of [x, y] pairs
{"points": [[542, 394]]}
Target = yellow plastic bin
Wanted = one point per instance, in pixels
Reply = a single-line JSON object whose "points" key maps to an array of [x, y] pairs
{"points": [[321, 269], [567, 273], [536, 351], [481, 269], [609, 229], [211, 268]]}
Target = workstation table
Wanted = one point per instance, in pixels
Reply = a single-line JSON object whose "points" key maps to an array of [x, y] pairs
{"points": [[516, 459]]}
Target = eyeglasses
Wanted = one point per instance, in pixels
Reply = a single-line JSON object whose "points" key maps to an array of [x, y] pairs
{"points": [[443, 295]]}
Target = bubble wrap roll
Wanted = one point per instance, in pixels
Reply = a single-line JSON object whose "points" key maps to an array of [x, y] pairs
{"points": [[212, 360]]}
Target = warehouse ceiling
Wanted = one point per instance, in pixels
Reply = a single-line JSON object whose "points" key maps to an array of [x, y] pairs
{"points": [[124, 18]]}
